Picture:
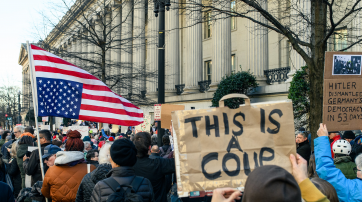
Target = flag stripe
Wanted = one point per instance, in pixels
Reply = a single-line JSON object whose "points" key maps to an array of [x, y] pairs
{"points": [[110, 105], [104, 93], [109, 115], [96, 87], [68, 77], [65, 72], [109, 120], [36, 47], [53, 60], [59, 66], [105, 99], [110, 110]]}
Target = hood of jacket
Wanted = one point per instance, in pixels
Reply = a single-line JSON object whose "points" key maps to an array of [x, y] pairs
{"points": [[23, 148], [342, 159], [101, 172], [123, 171], [64, 157]]}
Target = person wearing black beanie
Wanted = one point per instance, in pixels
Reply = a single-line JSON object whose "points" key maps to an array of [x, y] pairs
{"points": [[123, 158], [349, 136], [123, 153]]}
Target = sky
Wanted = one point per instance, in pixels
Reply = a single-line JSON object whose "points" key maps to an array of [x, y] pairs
{"points": [[17, 22]]}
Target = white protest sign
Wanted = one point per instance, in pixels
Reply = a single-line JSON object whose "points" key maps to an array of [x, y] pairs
{"points": [[45, 127], [157, 112], [145, 126], [84, 130]]}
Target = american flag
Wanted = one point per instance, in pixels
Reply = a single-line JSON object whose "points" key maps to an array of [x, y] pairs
{"points": [[65, 90]]}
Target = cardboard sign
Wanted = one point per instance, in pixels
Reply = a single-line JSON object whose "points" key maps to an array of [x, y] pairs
{"points": [[145, 126], [157, 112], [219, 147], [115, 128], [342, 96], [84, 130], [166, 110]]}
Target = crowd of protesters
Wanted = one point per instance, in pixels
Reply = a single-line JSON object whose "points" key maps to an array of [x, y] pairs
{"points": [[131, 166]]}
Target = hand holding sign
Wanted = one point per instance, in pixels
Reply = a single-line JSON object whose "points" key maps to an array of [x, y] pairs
{"points": [[300, 169], [225, 195], [322, 131]]}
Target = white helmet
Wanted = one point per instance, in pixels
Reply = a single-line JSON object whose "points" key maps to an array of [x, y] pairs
{"points": [[342, 147]]}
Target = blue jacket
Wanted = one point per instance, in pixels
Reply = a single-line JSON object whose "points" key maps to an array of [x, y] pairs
{"points": [[347, 190]]}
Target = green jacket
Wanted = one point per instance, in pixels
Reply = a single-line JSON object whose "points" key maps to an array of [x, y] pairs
{"points": [[23, 148], [345, 164]]}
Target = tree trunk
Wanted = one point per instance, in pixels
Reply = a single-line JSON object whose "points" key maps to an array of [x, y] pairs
{"points": [[316, 66]]}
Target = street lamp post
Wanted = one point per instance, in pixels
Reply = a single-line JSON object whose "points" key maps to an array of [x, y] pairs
{"points": [[19, 108], [159, 11]]}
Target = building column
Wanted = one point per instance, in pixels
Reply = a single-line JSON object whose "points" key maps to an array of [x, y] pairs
{"points": [[152, 51], [116, 43], [193, 70], [258, 59], [90, 54], [84, 52], [73, 49], [138, 47], [172, 52], [78, 62], [126, 51], [298, 26], [221, 36]]}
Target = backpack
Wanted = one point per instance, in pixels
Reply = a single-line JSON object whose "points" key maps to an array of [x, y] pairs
{"points": [[165, 154], [124, 193]]}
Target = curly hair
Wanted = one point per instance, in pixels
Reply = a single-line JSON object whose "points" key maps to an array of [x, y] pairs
{"points": [[74, 143]]}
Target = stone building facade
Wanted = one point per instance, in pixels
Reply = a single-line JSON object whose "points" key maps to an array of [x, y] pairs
{"points": [[198, 55]]}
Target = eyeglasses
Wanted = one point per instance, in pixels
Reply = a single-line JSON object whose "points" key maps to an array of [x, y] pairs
{"points": [[355, 170]]}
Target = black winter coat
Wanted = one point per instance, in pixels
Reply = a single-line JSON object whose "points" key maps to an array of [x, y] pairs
{"points": [[90, 180], [304, 150], [5, 193], [124, 176], [32, 165], [14, 172], [155, 170]]}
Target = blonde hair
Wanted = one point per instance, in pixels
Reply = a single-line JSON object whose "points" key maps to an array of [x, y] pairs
{"points": [[14, 149]]}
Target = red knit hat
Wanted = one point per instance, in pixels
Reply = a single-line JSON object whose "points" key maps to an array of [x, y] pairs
{"points": [[111, 139], [101, 143]]}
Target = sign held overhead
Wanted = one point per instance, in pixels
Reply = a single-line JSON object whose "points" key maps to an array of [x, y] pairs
{"points": [[219, 147]]}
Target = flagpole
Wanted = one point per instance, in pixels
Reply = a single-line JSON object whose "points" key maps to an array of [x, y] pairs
{"points": [[35, 104]]}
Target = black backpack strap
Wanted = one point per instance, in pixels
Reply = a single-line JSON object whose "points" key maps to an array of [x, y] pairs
{"points": [[136, 183], [112, 183]]}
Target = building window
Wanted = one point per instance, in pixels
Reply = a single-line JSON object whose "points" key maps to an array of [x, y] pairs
{"points": [[233, 19], [340, 39], [208, 70], [207, 25], [233, 62]]}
